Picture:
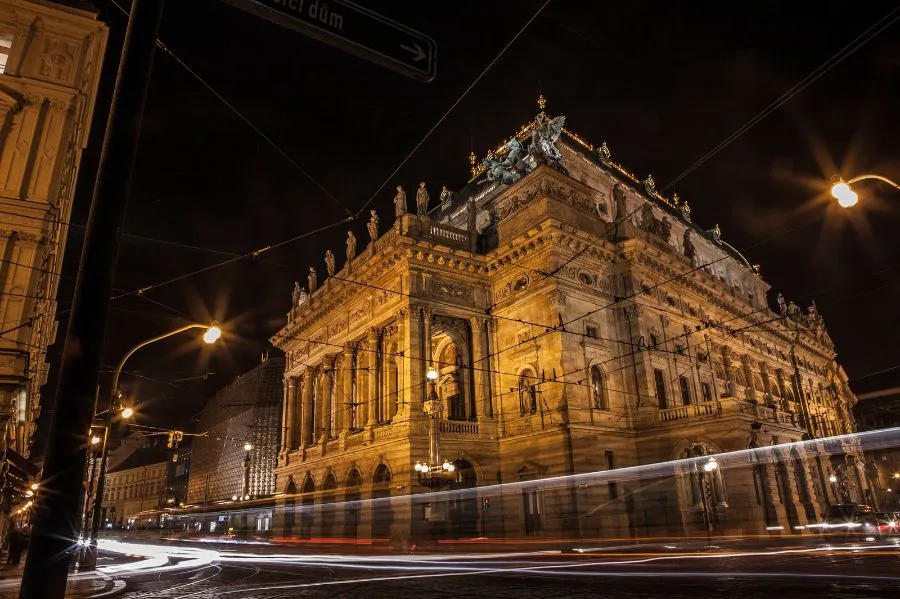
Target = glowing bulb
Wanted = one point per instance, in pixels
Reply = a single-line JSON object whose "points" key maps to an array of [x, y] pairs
{"points": [[845, 196], [234, 497], [127, 413], [34, 486], [432, 374], [95, 440], [711, 465], [30, 493], [248, 446], [832, 478], [212, 334], [446, 465]]}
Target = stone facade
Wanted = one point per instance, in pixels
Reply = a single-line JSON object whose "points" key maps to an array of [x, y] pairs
{"points": [[136, 489], [51, 57], [577, 321]]}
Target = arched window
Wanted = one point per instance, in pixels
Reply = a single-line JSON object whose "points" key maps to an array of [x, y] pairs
{"points": [[527, 393], [739, 377], [599, 393], [758, 383]]}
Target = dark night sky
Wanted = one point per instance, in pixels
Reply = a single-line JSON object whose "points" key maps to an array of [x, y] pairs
{"points": [[662, 83]]}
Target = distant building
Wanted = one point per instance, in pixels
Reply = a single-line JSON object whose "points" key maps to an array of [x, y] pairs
{"points": [[178, 476], [136, 485], [248, 410], [50, 60], [876, 411]]}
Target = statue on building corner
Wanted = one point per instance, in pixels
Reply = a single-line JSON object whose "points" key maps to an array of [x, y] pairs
{"points": [[793, 310], [400, 207], [815, 320], [782, 305], [351, 247], [689, 250], [716, 232], [650, 185], [604, 153], [329, 262], [312, 278], [372, 225], [446, 197], [686, 211], [543, 143], [422, 199], [619, 198]]}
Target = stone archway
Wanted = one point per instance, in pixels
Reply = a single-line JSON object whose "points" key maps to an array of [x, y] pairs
{"points": [[351, 501], [290, 507], [307, 503], [382, 513], [328, 505], [463, 512]]}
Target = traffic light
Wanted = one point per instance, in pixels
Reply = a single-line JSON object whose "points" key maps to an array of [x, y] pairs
{"points": [[485, 503], [175, 437]]}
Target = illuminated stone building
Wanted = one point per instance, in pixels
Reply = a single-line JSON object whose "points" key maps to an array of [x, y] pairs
{"points": [[50, 60], [575, 320], [135, 488]]}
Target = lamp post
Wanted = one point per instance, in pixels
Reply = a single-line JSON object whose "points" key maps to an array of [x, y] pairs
{"points": [[708, 467], [434, 473], [844, 194], [211, 335], [248, 447]]}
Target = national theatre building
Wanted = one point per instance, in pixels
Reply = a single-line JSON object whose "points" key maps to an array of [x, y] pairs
{"points": [[555, 316]]}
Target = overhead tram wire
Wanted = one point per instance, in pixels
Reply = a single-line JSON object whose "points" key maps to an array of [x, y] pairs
{"points": [[452, 107], [863, 38], [248, 122]]}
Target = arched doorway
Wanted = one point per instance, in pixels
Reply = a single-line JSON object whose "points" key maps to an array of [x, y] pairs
{"points": [[382, 514], [328, 505], [290, 507], [351, 501], [307, 503], [464, 515]]}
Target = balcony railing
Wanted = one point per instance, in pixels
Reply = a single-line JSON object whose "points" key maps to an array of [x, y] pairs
{"points": [[710, 408], [459, 428]]}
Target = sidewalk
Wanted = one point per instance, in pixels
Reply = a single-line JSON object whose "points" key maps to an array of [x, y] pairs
{"points": [[94, 586]]}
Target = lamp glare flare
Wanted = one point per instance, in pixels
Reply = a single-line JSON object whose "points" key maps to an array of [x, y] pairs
{"points": [[846, 197], [212, 334]]}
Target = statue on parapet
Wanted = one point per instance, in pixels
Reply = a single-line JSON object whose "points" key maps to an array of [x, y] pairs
{"points": [[604, 153], [689, 250], [685, 211], [329, 262], [782, 305], [716, 232], [312, 278], [446, 197], [400, 202], [422, 200], [351, 247], [372, 226], [543, 143], [298, 296]]}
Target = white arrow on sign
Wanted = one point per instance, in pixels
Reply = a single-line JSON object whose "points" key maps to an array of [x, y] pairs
{"points": [[418, 53]]}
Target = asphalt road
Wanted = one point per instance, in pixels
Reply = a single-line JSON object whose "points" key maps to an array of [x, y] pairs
{"points": [[647, 571]]}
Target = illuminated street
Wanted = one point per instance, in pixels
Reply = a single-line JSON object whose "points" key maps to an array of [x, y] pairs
{"points": [[624, 572]]}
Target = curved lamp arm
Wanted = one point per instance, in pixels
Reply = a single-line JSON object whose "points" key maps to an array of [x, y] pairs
{"points": [[872, 176], [115, 381]]}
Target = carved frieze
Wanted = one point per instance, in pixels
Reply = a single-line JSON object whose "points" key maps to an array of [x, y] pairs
{"points": [[455, 292]]}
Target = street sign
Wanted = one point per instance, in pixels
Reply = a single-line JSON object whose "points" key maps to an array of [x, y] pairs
{"points": [[354, 29]]}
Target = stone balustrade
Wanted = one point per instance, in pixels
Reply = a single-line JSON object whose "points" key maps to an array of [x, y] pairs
{"points": [[727, 407], [459, 427]]}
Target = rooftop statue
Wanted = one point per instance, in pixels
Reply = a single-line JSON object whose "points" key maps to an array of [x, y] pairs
{"points": [[329, 262], [400, 202], [312, 278], [716, 232], [650, 185], [422, 199], [511, 167], [446, 196], [604, 153], [351, 246], [372, 226], [298, 295], [686, 211], [543, 143]]}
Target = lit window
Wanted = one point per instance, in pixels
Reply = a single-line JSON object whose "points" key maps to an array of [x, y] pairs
{"points": [[598, 388], [6, 40]]}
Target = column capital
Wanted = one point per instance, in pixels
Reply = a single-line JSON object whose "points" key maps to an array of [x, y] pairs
{"points": [[402, 313], [373, 333], [328, 361], [479, 322]]}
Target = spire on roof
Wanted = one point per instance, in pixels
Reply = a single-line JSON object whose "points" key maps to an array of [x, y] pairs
{"points": [[541, 102]]}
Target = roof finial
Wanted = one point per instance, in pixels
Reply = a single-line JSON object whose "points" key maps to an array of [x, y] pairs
{"points": [[542, 102], [472, 159]]}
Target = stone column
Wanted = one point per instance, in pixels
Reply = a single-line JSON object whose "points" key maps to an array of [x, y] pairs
{"points": [[327, 391], [374, 351], [397, 406], [306, 422], [481, 367], [427, 358], [347, 395], [727, 367], [286, 420], [748, 375]]}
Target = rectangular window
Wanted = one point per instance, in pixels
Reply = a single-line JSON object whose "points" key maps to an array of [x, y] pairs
{"points": [[591, 332], [685, 391], [5, 46], [707, 392], [532, 512], [660, 389]]}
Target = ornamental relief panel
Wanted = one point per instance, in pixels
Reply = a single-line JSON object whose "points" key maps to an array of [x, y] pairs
{"points": [[512, 287], [455, 292], [556, 191]]}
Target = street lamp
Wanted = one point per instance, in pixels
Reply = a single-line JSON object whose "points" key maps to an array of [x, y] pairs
{"points": [[211, 334], [844, 194]]}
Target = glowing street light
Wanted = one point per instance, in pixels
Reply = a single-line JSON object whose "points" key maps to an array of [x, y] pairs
{"points": [[432, 374], [711, 465], [212, 334], [248, 446], [844, 194], [95, 440], [127, 413], [832, 478]]}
